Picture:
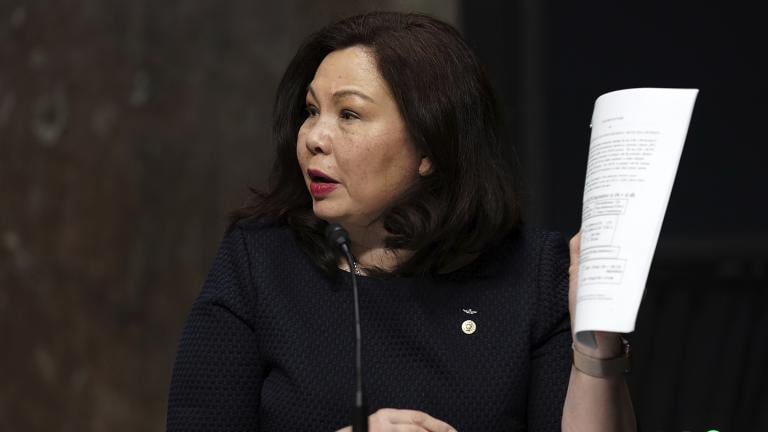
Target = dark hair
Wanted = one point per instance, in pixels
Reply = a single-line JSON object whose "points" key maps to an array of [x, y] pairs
{"points": [[469, 200]]}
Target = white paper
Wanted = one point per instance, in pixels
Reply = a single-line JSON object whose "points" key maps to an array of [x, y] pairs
{"points": [[635, 147]]}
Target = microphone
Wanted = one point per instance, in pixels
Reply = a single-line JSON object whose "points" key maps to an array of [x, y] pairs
{"points": [[338, 238]]}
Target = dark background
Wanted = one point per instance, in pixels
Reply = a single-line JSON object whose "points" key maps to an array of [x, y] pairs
{"points": [[128, 130], [699, 345]]}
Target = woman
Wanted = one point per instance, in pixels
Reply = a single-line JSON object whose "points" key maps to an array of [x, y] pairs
{"points": [[385, 124]]}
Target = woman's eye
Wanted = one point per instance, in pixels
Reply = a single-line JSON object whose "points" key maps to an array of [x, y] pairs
{"points": [[349, 115], [311, 110]]}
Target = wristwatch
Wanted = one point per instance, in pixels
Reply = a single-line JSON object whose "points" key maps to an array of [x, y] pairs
{"points": [[603, 368]]}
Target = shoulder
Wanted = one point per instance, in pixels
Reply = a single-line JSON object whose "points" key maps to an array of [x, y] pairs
{"points": [[521, 253], [540, 238], [256, 236], [534, 246], [252, 253], [260, 224], [271, 246], [261, 232]]}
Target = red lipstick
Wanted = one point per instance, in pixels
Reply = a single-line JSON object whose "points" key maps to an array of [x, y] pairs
{"points": [[319, 190], [321, 184]]}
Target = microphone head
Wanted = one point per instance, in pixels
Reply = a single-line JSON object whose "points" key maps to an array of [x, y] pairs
{"points": [[336, 235]]}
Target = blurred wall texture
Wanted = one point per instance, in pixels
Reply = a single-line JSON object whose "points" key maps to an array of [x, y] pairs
{"points": [[128, 130]]}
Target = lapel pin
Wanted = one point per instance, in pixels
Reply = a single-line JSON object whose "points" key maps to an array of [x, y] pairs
{"points": [[468, 327]]}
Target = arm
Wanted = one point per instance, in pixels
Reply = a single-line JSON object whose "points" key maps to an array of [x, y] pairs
{"points": [[217, 375], [598, 404], [595, 404]]}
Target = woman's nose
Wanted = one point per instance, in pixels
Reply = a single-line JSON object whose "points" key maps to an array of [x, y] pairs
{"points": [[319, 136]]}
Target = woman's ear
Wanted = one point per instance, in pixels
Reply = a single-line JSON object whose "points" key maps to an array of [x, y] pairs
{"points": [[425, 167]]}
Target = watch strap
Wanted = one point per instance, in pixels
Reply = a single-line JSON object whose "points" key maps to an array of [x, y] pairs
{"points": [[603, 368]]}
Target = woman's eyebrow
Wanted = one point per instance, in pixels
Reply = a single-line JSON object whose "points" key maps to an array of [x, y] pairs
{"points": [[350, 92], [343, 93]]}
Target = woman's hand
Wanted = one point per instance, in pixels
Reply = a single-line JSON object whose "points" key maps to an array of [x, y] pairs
{"points": [[608, 344], [401, 420], [595, 404]]}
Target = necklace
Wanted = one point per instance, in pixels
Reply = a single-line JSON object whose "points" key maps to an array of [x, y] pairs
{"points": [[356, 269]]}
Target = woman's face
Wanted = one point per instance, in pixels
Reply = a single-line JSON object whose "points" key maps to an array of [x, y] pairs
{"points": [[353, 147]]}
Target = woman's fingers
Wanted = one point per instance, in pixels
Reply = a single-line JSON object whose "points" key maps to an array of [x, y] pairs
{"points": [[403, 420], [408, 420], [574, 247], [427, 421], [406, 428]]}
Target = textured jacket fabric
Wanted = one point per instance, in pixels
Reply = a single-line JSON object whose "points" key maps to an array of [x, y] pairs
{"points": [[269, 343]]}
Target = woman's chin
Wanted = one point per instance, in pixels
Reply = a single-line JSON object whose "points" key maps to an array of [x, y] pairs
{"points": [[327, 212]]}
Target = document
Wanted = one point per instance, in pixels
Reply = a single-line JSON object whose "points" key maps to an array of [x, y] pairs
{"points": [[635, 147]]}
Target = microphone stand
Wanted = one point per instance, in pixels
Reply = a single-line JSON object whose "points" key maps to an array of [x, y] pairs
{"points": [[338, 236]]}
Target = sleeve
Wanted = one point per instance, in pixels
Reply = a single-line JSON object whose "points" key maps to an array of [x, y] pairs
{"points": [[551, 338], [217, 375]]}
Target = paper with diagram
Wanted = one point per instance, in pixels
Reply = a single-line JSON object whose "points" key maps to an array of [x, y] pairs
{"points": [[635, 147]]}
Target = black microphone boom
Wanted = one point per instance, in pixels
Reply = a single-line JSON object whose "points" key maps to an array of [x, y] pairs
{"points": [[338, 238]]}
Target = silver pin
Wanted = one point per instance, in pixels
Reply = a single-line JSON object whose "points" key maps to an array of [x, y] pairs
{"points": [[469, 311]]}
